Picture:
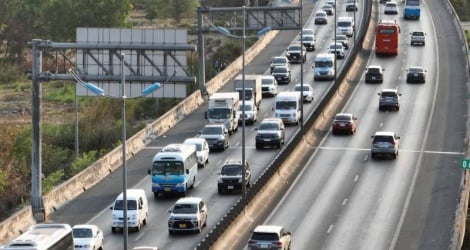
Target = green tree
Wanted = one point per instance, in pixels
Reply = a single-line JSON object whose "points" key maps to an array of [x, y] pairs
{"points": [[56, 20], [176, 9]]}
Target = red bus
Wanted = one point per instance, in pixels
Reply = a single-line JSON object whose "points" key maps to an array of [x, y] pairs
{"points": [[386, 37]]}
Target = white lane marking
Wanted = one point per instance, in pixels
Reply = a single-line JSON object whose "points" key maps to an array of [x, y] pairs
{"points": [[330, 228], [356, 178], [140, 236], [381, 124], [344, 201]]}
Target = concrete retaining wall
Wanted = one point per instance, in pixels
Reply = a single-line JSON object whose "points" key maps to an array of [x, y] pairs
{"points": [[70, 189]]}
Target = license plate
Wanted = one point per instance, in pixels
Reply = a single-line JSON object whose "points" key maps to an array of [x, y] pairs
{"points": [[342, 124], [267, 139], [279, 78], [229, 187], [415, 74], [373, 78], [264, 246], [182, 225], [167, 189], [295, 56]]}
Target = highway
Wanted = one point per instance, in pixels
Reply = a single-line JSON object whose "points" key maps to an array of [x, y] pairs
{"points": [[377, 199], [344, 200]]}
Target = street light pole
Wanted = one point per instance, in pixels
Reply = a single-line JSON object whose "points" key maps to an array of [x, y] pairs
{"points": [[302, 69], [124, 168], [243, 110]]}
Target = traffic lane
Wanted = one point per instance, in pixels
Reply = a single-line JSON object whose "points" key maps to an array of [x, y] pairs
{"points": [[438, 182]]}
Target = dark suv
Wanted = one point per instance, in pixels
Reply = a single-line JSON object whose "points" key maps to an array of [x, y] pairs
{"points": [[389, 99], [296, 53], [374, 74], [230, 177], [271, 132]]}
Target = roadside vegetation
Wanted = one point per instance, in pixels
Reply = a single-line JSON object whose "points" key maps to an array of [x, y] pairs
{"points": [[99, 122]]}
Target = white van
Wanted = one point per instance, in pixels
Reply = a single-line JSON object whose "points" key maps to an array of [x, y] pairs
{"points": [[137, 210], [287, 106], [324, 67], [345, 26]]}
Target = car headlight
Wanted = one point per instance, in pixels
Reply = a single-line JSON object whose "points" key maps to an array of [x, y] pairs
{"points": [[115, 217], [179, 185], [220, 180], [134, 217], [240, 180]]}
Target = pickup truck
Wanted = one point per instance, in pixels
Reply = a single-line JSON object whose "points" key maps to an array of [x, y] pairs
{"points": [[418, 38], [296, 53]]}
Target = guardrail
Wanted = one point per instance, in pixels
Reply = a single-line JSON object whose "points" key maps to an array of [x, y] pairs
{"points": [[237, 209], [462, 209]]}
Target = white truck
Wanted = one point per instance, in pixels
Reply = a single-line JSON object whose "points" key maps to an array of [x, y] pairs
{"points": [[223, 108], [253, 90]]}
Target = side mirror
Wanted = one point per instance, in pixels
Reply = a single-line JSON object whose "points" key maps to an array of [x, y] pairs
{"points": [[169, 210], [205, 115], [398, 137], [187, 171], [378, 94], [256, 128], [111, 208], [149, 171]]}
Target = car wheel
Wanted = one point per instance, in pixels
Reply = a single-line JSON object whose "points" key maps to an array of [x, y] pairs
{"points": [[137, 228], [113, 229], [258, 146], [279, 145], [372, 156], [145, 220], [170, 232], [155, 195]]}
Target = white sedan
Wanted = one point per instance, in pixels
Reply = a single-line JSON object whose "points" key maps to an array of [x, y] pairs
{"points": [[307, 91], [87, 237]]}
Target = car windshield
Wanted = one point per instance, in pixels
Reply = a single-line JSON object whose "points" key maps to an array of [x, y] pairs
{"points": [[389, 94], [373, 70], [417, 33], [82, 233], [219, 113], [337, 46], [299, 88], [131, 205], [341, 38], [231, 170], [185, 209], [268, 126], [307, 38], [343, 118], [307, 32], [264, 236], [295, 47], [344, 24], [248, 107], [415, 70], [267, 81], [320, 14], [280, 70], [286, 105], [279, 60], [212, 131], [323, 64], [382, 138]]}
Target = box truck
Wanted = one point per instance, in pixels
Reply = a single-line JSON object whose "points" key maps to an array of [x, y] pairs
{"points": [[252, 86], [223, 109]]}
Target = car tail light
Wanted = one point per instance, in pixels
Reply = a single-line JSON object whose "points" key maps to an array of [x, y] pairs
{"points": [[252, 242], [277, 243]]}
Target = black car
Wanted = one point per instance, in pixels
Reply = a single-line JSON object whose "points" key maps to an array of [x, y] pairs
{"points": [[416, 74], [374, 74], [230, 176], [282, 74], [271, 132]]}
